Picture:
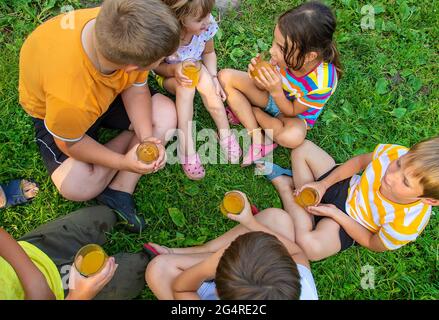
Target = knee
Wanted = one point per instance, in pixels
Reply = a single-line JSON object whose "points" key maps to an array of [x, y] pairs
{"points": [[291, 138], [275, 217], [80, 195], [155, 270], [301, 150], [225, 77]]}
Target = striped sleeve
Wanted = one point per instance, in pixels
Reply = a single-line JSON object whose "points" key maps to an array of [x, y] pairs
{"points": [[317, 98], [395, 235]]}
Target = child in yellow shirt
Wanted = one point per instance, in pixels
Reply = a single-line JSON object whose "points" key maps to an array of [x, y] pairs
{"points": [[384, 208]]}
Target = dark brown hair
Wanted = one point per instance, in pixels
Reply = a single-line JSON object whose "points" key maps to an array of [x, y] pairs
{"points": [[307, 28], [138, 32], [424, 157], [257, 266]]}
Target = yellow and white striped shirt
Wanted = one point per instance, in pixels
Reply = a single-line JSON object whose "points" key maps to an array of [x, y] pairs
{"points": [[396, 224]]}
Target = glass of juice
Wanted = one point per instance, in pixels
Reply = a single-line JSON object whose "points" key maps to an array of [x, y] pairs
{"points": [[263, 60], [307, 197], [191, 69], [147, 152], [93, 260], [233, 202]]}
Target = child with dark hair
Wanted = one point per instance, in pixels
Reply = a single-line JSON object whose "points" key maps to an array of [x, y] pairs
{"points": [[286, 99], [257, 259]]}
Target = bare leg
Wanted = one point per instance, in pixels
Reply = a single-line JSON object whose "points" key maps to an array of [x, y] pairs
{"points": [[30, 190], [213, 103], [288, 132], [79, 181], [185, 113], [309, 163], [164, 269], [242, 95]]}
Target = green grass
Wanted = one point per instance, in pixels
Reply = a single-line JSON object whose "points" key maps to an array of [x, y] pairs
{"points": [[388, 95]]}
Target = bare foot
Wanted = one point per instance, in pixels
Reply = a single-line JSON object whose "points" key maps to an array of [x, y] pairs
{"points": [[29, 188], [2, 198], [280, 183]]}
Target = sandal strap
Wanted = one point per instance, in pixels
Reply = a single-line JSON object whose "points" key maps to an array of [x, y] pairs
{"points": [[14, 193]]}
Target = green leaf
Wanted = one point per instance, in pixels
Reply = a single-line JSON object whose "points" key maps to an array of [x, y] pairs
{"points": [[195, 242], [219, 34], [262, 45], [381, 86], [378, 9], [362, 130], [191, 189], [177, 217], [398, 112], [415, 83], [405, 11]]}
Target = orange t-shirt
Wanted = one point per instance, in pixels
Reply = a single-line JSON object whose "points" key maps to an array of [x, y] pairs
{"points": [[58, 82]]}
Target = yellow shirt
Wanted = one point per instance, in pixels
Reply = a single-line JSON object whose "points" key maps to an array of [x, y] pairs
{"points": [[10, 285], [396, 224], [59, 83]]}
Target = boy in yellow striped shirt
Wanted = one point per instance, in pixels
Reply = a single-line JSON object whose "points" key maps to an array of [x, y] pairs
{"points": [[384, 208]]}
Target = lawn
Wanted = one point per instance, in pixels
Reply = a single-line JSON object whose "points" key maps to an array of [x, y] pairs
{"points": [[389, 94]]}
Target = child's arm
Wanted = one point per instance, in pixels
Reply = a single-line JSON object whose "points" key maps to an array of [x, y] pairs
{"points": [[138, 104], [89, 150], [210, 61], [166, 70], [293, 249], [247, 219], [32, 280], [186, 285], [344, 171], [355, 230], [271, 81]]}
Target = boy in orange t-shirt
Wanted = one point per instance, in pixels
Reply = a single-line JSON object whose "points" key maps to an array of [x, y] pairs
{"points": [[89, 69]]}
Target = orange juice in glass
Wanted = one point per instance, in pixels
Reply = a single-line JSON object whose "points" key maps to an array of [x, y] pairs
{"points": [[147, 152], [233, 202], [263, 60], [90, 259], [191, 69], [307, 197]]}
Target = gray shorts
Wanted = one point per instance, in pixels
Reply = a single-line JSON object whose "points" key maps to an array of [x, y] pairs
{"points": [[61, 239]]}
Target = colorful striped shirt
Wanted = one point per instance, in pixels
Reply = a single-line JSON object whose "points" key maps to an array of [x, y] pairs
{"points": [[396, 224], [312, 90]]}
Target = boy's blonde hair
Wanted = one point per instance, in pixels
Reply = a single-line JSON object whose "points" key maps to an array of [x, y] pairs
{"points": [[424, 157], [138, 32], [190, 8]]}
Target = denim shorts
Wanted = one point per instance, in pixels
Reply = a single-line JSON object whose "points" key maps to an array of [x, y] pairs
{"points": [[272, 109]]}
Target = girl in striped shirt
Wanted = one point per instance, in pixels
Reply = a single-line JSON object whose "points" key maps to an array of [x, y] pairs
{"points": [[384, 208], [286, 100]]}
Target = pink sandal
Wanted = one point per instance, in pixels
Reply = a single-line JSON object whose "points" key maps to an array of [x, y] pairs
{"points": [[233, 119], [192, 167], [231, 147], [251, 157]]}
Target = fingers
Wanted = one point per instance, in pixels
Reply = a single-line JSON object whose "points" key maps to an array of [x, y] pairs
{"points": [[160, 249], [223, 95], [106, 273], [233, 217]]}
